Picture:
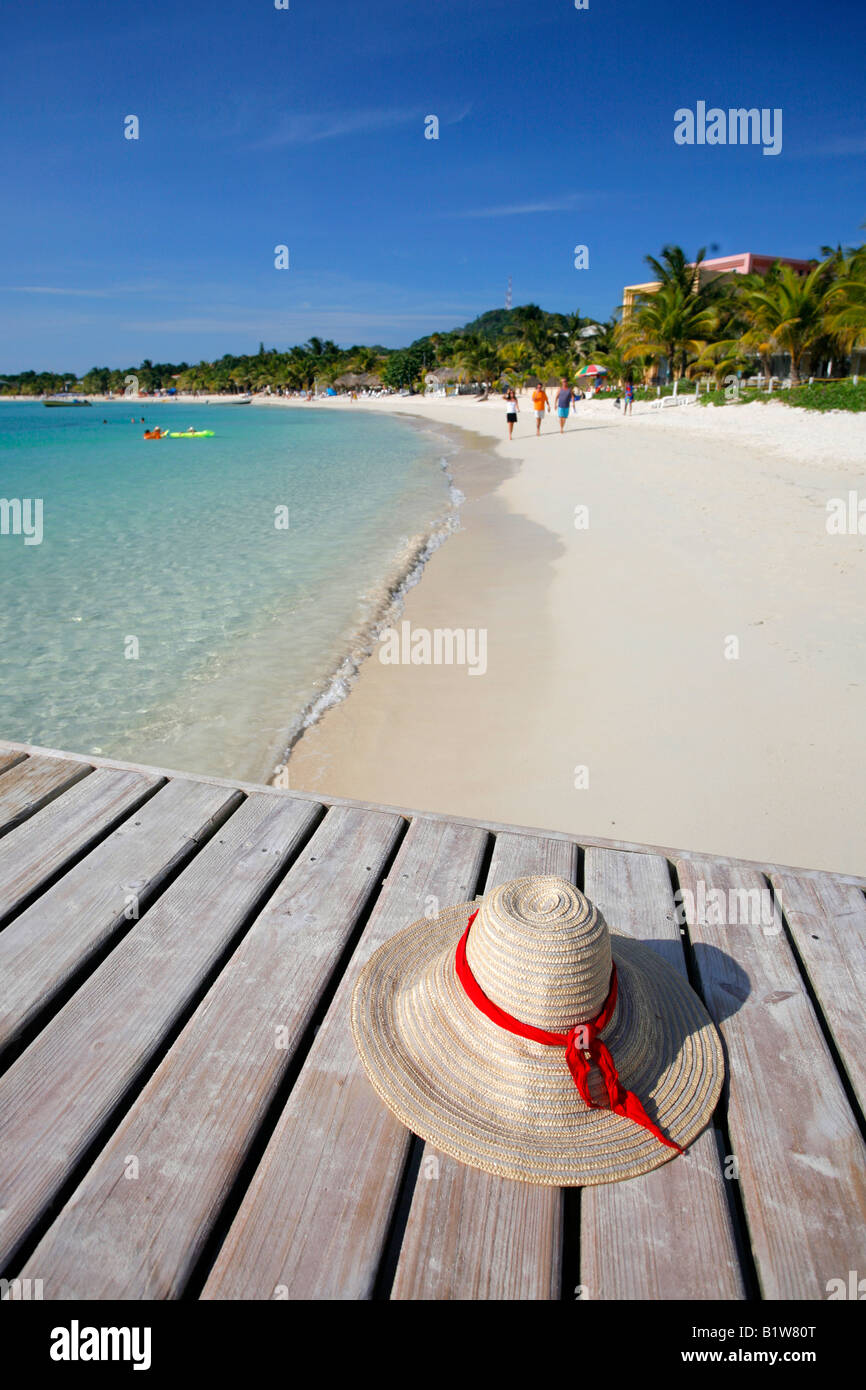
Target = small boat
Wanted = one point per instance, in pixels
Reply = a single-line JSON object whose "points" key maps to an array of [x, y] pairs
{"points": [[156, 434], [191, 434], [63, 398]]}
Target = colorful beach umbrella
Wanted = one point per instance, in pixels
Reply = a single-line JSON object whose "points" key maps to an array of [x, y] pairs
{"points": [[592, 370]]}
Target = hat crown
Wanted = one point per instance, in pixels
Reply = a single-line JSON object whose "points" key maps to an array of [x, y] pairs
{"points": [[540, 950]]}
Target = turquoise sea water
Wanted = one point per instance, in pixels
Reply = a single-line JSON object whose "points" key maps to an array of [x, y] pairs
{"points": [[243, 631]]}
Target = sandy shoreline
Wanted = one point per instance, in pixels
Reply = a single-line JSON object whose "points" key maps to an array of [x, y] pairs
{"points": [[608, 705]]}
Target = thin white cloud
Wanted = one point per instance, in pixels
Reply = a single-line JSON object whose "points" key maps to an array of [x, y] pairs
{"points": [[307, 128], [104, 292], [56, 289], [566, 204]]}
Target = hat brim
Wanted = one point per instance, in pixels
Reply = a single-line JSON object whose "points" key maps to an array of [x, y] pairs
{"points": [[508, 1105]]}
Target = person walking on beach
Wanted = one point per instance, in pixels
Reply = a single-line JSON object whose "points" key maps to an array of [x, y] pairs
{"points": [[628, 397], [512, 409], [540, 403], [564, 397]]}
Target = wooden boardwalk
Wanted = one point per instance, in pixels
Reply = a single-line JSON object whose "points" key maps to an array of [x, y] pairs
{"points": [[182, 1112]]}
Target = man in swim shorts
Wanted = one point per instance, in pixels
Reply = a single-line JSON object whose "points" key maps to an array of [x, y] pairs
{"points": [[540, 403], [564, 397]]}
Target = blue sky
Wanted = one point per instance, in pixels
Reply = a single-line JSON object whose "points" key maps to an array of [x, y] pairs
{"points": [[305, 127]]}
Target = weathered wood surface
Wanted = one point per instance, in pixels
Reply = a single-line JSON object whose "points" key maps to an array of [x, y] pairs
{"points": [[469, 1235], [9, 757], [155, 1038], [667, 1234], [102, 894], [56, 1097], [800, 1154], [67, 826], [827, 920], [32, 784], [315, 1220], [193, 1123]]}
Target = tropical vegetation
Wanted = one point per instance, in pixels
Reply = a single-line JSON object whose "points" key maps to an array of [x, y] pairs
{"points": [[688, 325]]}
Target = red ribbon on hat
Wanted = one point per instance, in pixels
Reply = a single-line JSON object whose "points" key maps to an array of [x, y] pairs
{"points": [[578, 1042]]}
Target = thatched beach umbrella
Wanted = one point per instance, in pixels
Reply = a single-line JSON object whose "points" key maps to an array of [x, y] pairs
{"points": [[444, 375], [355, 379]]}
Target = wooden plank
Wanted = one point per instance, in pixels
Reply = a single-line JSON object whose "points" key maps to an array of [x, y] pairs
{"points": [[802, 1160], [470, 1235], [9, 757], [31, 854], [315, 1220], [828, 923], [62, 929], [649, 1238], [193, 1124], [57, 1095], [32, 784], [494, 827]]}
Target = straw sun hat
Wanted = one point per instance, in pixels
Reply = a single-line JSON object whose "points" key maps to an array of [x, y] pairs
{"points": [[520, 1036]]}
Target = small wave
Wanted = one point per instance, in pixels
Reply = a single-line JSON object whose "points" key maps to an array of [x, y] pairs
{"points": [[383, 607]]}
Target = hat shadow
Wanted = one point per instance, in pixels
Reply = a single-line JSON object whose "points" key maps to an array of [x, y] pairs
{"points": [[729, 986], [727, 991]]}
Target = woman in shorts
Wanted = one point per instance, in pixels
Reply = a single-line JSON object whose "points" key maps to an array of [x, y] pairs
{"points": [[511, 408]]}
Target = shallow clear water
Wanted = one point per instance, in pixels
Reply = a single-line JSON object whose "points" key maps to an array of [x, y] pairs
{"points": [[240, 626]]}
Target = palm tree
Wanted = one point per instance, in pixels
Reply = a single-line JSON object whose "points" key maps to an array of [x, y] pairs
{"points": [[558, 364], [516, 359], [479, 359], [613, 358], [671, 322], [845, 300], [364, 359], [600, 344], [787, 311], [573, 326], [529, 325], [674, 269], [678, 317]]}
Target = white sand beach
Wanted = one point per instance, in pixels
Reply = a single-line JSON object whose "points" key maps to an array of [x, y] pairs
{"points": [[612, 703]]}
